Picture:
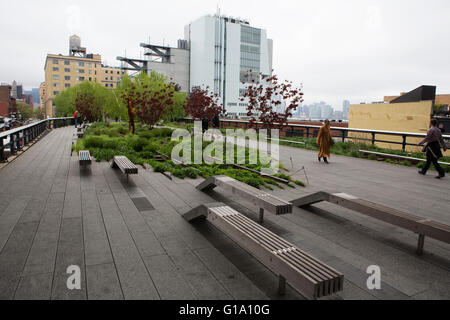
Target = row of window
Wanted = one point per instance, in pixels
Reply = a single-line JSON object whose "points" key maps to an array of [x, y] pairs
{"points": [[56, 69], [78, 63], [112, 72], [250, 35], [56, 77]]}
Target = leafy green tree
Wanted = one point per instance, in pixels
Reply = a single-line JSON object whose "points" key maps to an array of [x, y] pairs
{"points": [[25, 110], [176, 111], [39, 114], [65, 102]]}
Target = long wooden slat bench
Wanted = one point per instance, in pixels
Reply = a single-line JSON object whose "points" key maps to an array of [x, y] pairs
{"points": [[84, 157], [264, 200], [311, 277], [125, 165], [423, 227]]}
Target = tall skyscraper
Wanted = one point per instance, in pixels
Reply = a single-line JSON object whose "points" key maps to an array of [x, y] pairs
{"points": [[345, 108], [223, 51]]}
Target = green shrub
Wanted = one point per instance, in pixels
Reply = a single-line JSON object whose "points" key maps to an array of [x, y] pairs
{"points": [[160, 167], [93, 141], [299, 183], [179, 173], [138, 143], [372, 157], [151, 147], [190, 173]]}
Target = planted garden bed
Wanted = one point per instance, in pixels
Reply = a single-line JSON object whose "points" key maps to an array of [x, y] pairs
{"points": [[154, 147]]}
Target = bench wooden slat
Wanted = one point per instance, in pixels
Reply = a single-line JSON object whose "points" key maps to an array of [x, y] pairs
{"points": [[414, 223], [125, 165], [260, 198], [84, 157], [309, 276]]}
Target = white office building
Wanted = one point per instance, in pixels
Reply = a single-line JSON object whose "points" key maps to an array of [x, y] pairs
{"points": [[222, 51]]}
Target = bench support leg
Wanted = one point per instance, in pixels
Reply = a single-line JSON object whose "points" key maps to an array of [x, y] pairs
{"points": [[261, 215], [281, 285], [420, 244]]}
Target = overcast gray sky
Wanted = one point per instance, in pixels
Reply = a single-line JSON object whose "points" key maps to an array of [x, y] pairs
{"points": [[358, 50]]}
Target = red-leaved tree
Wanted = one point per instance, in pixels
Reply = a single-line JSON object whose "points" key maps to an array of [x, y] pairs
{"points": [[85, 105], [151, 104], [203, 104], [265, 101]]}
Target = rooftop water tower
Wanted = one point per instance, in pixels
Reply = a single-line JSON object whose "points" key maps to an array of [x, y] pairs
{"points": [[75, 48]]}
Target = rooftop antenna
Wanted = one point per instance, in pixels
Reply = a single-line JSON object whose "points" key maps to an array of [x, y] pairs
{"points": [[218, 9]]}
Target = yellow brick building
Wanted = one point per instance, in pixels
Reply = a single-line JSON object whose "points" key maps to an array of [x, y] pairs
{"points": [[62, 72]]}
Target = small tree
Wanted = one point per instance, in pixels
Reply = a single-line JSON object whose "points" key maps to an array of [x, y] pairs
{"points": [[147, 97], [84, 104], [265, 98], [39, 114], [25, 110], [203, 104]]}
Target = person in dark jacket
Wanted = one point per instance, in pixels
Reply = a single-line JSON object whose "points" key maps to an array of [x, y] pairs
{"points": [[216, 121], [205, 124], [434, 142]]}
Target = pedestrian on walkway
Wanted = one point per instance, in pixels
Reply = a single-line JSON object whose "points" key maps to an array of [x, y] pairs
{"points": [[324, 140], [75, 116], [433, 143]]}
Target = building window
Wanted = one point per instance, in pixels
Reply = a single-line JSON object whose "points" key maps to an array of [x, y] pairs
{"points": [[90, 79], [55, 93], [80, 64], [55, 61], [66, 69], [67, 85], [66, 62], [80, 78], [118, 72], [112, 78], [55, 77], [106, 71], [55, 69], [55, 84], [67, 78], [80, 70], [106, 78]]}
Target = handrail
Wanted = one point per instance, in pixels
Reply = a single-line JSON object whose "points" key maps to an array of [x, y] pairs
{"points": [[21, 136], [290, 130], [410, 134], [6, 133]]}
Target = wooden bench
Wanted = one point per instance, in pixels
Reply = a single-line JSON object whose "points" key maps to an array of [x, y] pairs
{"points": [[312, 278], [125, 165], [80, 132], [423, 227], [398, 157], [84, 157], [264, 200]]}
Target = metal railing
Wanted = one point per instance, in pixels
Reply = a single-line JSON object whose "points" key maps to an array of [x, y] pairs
{"points": [[341, 133], [22, 136]]}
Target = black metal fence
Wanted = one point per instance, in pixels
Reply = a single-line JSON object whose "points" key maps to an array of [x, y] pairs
{"points": [[340, 133], [22, 136]]}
